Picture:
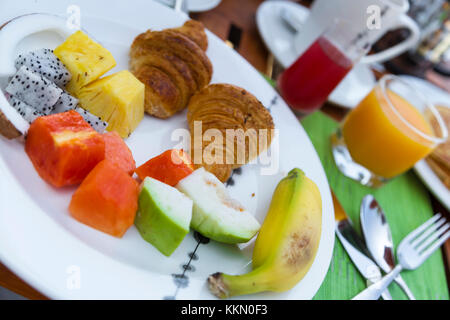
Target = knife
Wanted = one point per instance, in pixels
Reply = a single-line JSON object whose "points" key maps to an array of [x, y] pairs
{"points": [[355, 247]]}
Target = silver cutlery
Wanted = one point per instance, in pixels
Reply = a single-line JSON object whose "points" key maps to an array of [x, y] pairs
{"points": [[377, 234], [356, 248], [414, 249]]}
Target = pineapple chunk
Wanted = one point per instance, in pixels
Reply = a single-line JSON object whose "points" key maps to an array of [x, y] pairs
{"points": [[85, 59], [118, 99]]}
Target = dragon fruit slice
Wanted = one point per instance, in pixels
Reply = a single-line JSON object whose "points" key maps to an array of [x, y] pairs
{"points": [[65, 103], [96, 122], [27, 112], [34, 90], [45, 63]]}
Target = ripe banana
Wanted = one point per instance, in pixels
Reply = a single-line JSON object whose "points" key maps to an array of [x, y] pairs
{"points": [[287, 242]]}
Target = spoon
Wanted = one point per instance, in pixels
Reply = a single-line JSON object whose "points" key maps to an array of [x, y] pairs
{"points": [[379, 239]]}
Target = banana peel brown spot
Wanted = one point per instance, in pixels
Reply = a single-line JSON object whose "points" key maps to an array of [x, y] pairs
{"points": [[298, 251]]}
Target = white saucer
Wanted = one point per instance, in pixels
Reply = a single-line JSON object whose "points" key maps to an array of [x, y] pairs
{"points": [[279, 39], [195, 5]]}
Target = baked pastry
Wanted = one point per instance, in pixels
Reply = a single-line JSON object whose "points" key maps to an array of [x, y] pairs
{"points": [[172, 67], [439, 159], [195, 31], [238, 117]]}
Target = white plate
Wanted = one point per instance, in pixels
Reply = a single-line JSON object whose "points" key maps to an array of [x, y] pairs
{"points": [[436, 96], [279, 39], [42, 244], [195, 5]]}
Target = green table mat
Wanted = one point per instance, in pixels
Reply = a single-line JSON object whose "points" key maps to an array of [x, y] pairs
{"points": [[406, 204]]}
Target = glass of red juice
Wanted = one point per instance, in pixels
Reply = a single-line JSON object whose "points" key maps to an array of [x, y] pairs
{"points": [[308, 82]]}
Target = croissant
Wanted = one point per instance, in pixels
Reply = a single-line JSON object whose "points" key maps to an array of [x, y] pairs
{"points": [[195, 31], [223, 107], [172, 67]]}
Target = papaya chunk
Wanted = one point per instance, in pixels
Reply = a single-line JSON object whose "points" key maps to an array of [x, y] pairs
{"points": [[64, 148], [117, 151], [169, 167], [107, 200]]}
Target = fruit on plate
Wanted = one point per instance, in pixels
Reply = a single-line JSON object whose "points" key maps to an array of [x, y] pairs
{"points": [[64, 148], [107, 200], [164, 215], [34, 90], [118, 153], [215, 214], [32, 94], [26, 111], [85, 59], [286, 245], [65, 103], [117, 99], [169, 167], [96, 122], [46, 64]]}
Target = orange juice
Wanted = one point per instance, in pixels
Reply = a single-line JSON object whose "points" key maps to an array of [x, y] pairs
{"points": [[385, 139]]}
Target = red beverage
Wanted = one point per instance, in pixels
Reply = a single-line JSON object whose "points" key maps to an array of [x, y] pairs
{"points": [[306, 84]]}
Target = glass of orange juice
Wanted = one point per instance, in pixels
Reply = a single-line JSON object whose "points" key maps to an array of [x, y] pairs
{"points": [[387, 133]]}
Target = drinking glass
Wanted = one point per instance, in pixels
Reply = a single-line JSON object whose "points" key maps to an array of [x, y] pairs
{"points": [[390, 130], [308, 82]]}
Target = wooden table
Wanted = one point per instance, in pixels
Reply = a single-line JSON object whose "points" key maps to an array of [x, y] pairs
{"points": [[241, 14]]}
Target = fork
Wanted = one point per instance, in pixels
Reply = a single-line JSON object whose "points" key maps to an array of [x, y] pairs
{"points": [[414, 249]]}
